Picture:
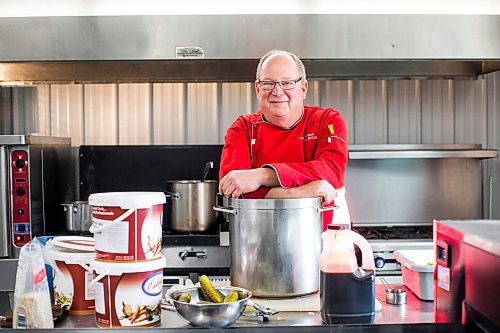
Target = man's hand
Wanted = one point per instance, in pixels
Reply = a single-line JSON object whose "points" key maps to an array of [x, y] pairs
{"points": [[238, 182], [317, 188]]}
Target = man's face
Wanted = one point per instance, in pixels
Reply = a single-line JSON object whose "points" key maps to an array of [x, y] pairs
{"points": [[281, 107]]}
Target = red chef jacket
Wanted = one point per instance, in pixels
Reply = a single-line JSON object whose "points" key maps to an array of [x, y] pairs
{"points": [[314, 148]]}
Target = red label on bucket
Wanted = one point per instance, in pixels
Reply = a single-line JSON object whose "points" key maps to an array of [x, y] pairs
{"points": [[122, 301], [71, 287], [127, 234]]}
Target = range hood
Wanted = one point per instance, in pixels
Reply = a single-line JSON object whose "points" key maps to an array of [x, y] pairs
{"points": [[207, 48]]}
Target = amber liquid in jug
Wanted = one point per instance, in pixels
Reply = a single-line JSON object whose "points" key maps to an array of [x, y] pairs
{"points": [[347, 292]]}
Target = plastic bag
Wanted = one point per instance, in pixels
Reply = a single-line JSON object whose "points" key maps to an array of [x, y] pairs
{"points": [[32, 308]]}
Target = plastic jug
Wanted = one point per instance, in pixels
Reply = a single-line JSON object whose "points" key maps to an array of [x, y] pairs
{"points": [[347, 292]]}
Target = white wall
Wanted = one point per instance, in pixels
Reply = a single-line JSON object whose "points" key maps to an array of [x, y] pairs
{"points": [[25, 8]]}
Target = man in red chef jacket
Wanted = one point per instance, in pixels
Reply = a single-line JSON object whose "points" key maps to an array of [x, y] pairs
{"points": [[286, 149]]}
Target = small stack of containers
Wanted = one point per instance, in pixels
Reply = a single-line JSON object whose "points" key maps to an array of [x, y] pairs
{"points": [[128, 269], [72, 274]]}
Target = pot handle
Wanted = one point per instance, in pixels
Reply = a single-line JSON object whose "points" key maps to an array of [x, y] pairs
{"points": [[175, 196], [66, 206], [93, 228], [225, 210], [325, 209]]}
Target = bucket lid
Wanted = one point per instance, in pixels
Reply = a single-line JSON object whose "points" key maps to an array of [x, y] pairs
{"points": [[69, 256], [119, 268], [127, 200], [75, 243]]}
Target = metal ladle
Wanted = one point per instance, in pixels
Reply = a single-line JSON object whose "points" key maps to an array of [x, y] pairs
{"points": [[208, 166], [394, 296]]}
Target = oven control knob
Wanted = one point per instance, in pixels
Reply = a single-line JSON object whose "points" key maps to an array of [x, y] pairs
{"points": [[20, 163], [20, 191], [379, 262]]}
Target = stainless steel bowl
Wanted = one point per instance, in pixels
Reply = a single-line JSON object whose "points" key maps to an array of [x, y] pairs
{"points": [[213, 314]]}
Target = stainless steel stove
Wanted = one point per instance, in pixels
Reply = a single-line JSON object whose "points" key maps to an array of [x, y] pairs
{"points": [[190, 255], [385, 240]]}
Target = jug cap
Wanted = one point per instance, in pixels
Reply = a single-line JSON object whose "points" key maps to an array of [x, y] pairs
{"points": [[337, 226]]}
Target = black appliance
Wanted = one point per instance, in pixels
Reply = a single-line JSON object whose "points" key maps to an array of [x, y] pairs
{"points": [[148, 168], [35, 173]]}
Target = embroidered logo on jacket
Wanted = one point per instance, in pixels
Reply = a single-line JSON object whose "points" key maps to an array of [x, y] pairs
{"points": [[330, 127], [307, 137]]}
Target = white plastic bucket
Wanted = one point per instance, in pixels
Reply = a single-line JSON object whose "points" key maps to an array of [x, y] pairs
{"points": [[128, 294], [72, 274], [127, 226]]}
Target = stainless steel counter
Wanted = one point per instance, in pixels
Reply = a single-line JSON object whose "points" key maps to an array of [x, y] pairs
{"points": [[483, 234], [413, 312]]}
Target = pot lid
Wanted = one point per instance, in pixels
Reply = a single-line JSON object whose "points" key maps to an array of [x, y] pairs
{"points": [[79, 243]]}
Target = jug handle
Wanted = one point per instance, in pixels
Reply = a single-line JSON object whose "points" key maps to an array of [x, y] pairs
{"points": [[368, 261]]}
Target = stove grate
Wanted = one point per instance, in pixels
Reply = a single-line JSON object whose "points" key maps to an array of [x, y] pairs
{"points": [[395, 232]]}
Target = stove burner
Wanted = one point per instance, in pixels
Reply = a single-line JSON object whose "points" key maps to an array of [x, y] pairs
{"points": [[391, 233]]}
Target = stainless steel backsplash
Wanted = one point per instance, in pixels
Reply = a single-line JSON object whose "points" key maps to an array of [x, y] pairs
{"points": [[408, 111]]}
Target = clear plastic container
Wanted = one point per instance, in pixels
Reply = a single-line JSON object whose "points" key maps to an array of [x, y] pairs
{"points": [[417, 267]]}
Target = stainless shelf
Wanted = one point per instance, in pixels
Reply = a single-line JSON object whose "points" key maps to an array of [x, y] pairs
{"points": [[361, 152]]}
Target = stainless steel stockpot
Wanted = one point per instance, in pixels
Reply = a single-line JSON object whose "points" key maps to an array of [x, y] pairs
{"points": [[78, 216], [189, 205], [275, 245]]}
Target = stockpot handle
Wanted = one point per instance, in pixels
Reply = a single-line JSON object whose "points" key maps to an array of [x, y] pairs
{"points": [[172, 195], [325, 209], [67, 206], [225, 210], [71, 206]]}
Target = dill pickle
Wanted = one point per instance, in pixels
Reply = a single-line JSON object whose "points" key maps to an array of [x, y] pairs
{"points": [[185, 297], [209, 291], [242, 294], [231, 297], [204, 302]]}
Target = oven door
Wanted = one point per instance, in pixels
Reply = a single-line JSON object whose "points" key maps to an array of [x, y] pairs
{"points": [[4, 202]]}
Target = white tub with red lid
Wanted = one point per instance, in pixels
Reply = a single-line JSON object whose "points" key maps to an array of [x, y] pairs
{"points": [[72, 274], [128, 294], [127, 226]]}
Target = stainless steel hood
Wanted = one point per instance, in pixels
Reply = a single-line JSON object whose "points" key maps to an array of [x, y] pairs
{"points": [[173, 48]]}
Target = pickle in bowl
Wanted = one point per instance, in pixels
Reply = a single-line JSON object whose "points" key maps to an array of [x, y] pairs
{"points": [[200, 311]]}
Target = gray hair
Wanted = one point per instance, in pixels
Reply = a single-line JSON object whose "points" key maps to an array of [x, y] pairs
{"points": [[298, 62]]}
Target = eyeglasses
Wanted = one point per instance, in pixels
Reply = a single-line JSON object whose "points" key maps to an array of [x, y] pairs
{"points": [[284, 85]]}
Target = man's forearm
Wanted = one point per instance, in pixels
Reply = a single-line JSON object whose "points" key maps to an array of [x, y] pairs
{"points": [[281, 193], [319, 188], [267, 177]]}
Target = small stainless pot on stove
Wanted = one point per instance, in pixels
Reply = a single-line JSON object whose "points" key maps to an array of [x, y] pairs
{"points": [[78, 216], [189, 205]]}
